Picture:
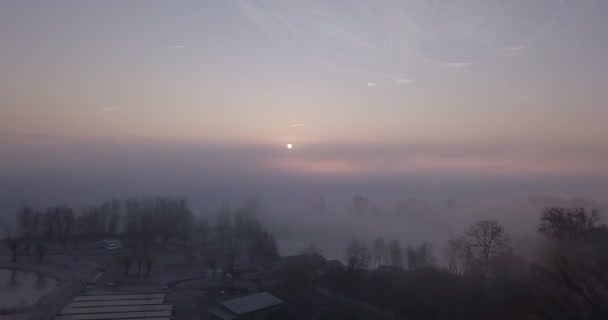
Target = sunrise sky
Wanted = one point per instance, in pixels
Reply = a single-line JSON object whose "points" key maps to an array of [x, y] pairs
{"points": [[471, 88]]}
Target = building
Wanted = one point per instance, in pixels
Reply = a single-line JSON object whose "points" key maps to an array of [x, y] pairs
{"points": [[256, 306], [334, 265], [117, 306], [313, 259]]}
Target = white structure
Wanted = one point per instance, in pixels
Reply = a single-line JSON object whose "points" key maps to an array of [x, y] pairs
{"points": [[117, 306]]}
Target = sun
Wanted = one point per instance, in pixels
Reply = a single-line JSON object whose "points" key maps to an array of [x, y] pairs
{"points": [[289, 146]]}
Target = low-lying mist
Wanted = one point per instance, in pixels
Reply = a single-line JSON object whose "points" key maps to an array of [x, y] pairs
{"points": [[300, 207]]}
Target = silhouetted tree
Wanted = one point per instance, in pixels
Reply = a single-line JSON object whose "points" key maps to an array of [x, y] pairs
{"points": [[41, 251], [26, 222], [419, 257], [396, 254], [13, 245], [380, 250], [211, 260], [456, 254], [114, 205], [358, 255], [139, 260], [571, 282], [482, 242], [126, 261], [568, 223], [149, 264], [224, 225]]}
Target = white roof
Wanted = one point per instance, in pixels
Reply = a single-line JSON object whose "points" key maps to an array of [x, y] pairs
{"points": [[251, 303]]}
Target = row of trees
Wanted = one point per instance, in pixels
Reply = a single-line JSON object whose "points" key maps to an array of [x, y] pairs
{"points": [[473, 252], [359, 255], [241, 230], [140, 221], [160, 216], [486, 278]]}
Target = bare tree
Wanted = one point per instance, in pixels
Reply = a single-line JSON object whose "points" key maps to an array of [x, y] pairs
{"points": [[484, 241], [41, 251], [13, 245], [419, 257], [456, 254], [126, 261], [66, 223], [114, 205], [396, 254], [211, 260], [224, 225], [150, 259], [571, 282], [358, 255], [567, 223], [139, 260], [380, 250], [26, 217]]}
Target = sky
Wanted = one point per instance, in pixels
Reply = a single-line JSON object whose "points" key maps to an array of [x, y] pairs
{"points": [[429, 98]]}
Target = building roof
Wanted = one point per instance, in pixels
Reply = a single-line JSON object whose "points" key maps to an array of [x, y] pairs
{"points": [[251, 303], [222, 313], [302, 258], [117, 306], [337, 264]]}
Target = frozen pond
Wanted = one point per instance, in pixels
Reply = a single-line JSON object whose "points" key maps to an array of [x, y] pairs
{"points": [[23, 288]]}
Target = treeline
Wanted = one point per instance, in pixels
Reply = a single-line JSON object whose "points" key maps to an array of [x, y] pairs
{"points": [[387, 255], [139, 220], [485, 277], [242, 232], [160, 216]]}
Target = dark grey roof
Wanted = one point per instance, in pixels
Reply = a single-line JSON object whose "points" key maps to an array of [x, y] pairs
{"points": [[334, 264], [302, 258], [222, 313], [251, 303]]}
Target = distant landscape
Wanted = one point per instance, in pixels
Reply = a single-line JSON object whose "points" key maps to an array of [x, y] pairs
{"points": [[310, 160]]}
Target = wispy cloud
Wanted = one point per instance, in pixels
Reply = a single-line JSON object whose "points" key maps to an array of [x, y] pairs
{"points": [[297, 125], [265, 18], [402, 81], [372, 84], [514, 50], [109, 109], [456, 64], [177, 47]]}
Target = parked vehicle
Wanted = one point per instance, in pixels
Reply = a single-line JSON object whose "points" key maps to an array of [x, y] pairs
{"points": [[114, 246], [106, 243]]}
